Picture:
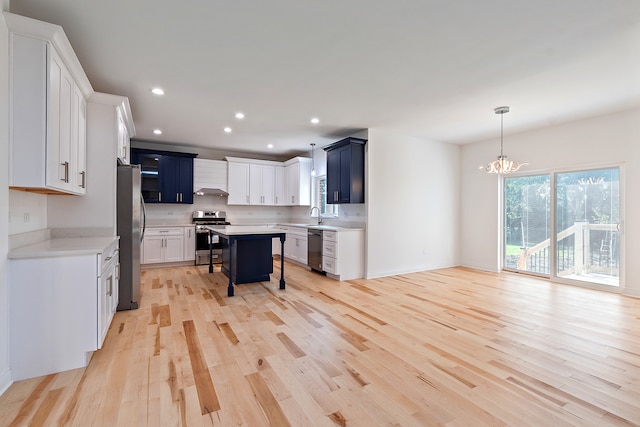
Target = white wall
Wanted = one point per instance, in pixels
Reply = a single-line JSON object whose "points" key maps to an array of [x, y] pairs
{"points": [[27, 211], [608, 139], [5, 375], [413, 204]]}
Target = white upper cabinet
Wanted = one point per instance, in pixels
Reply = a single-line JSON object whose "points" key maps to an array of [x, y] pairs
{"points": [[79, 140], [261, 184], [238, 183], [269, 183], [279, 196], [48, 92], [298, 181], [124, 137], [108, 125]]}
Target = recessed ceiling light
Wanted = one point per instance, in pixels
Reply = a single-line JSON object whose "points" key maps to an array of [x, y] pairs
{"points": [[227, 130], [269, 145], [157, 91], [315, 120], [157, 131], [239, 115]]}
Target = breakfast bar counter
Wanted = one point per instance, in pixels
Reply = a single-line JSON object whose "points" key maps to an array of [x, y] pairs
{"points": [[246, 253]]}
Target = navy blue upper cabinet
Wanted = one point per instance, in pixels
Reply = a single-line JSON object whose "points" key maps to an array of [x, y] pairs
{"points": [[345, 171], [166, 177]]}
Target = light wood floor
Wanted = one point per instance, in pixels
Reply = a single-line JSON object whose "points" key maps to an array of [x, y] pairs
{"points": [[451, 347]]}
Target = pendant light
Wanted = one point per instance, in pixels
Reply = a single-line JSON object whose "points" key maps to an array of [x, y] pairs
{"points": [[313, 163], [502, 165]]}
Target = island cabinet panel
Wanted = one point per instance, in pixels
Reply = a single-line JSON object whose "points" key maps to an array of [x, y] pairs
{"points": [[345, 171], [251, 260]]}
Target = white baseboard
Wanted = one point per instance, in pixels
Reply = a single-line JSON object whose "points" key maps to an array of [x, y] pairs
{"points": [[5, 381], [635, 293], [378, 274]]}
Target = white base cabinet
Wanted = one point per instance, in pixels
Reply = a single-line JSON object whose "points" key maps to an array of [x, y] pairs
{"points": [[295, 246], [163, 245], [190, 243], [60, 310], [343, 254]]}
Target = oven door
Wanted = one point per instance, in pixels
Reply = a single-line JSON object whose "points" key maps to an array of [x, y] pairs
{"points": [[202, 248]]}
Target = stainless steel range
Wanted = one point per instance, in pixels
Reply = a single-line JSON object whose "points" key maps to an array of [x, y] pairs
{"points": [[202, 219]]}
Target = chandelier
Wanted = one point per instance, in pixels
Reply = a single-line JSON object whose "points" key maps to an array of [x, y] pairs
{"points": [[502, 165]]}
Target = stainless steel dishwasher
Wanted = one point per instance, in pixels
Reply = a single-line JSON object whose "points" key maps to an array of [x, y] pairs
{"points": [[314, 251]]}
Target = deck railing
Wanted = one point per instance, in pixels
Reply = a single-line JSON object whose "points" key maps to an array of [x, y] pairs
{"points": [[582, 249]]}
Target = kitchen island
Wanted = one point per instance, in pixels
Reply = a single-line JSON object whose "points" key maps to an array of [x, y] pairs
{"points": [[246, 253]]}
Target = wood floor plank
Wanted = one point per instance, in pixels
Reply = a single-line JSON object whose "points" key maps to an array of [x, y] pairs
{"points": [[452, 347], [204, 385]]}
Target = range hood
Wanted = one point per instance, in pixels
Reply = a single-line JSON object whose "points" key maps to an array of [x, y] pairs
{"points": [[211, 191]]}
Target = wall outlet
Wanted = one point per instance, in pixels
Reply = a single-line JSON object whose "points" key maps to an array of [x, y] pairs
{"points": [[27, 217]]}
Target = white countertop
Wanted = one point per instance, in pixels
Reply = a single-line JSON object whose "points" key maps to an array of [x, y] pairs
{"points": [[240, 230], [63, 247], [168, 225], [321, 227]]}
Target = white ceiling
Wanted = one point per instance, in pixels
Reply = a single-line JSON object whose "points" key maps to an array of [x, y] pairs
{"points": [[430, 68]]}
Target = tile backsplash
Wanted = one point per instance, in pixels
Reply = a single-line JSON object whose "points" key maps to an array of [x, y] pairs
{"points": [[158, 214]]}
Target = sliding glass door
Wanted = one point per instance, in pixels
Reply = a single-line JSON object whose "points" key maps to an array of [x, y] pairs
{"points": [[587, 217], [527, 224], [583, 215]]}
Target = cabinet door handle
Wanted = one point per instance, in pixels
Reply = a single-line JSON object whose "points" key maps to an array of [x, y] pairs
{"points": [[66, 171], [110, 287], [335, 196], [118, 271], [292, 198], [159, 196], [83, 174]]}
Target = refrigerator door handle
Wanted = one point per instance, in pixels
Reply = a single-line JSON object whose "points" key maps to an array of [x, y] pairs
{"points": [[144, 217]]}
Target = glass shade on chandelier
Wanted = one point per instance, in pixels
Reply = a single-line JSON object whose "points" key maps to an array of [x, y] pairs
{"points": [[502, 165]]}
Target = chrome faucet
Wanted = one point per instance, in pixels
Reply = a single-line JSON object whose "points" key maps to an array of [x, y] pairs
{"points": [[319, 216]]}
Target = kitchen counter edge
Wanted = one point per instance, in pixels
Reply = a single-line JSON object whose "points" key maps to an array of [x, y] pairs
{"points": [[64, 247]]}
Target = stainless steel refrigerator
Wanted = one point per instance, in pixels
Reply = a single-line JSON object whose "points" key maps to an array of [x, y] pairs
{"points": [[131, 224]]}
